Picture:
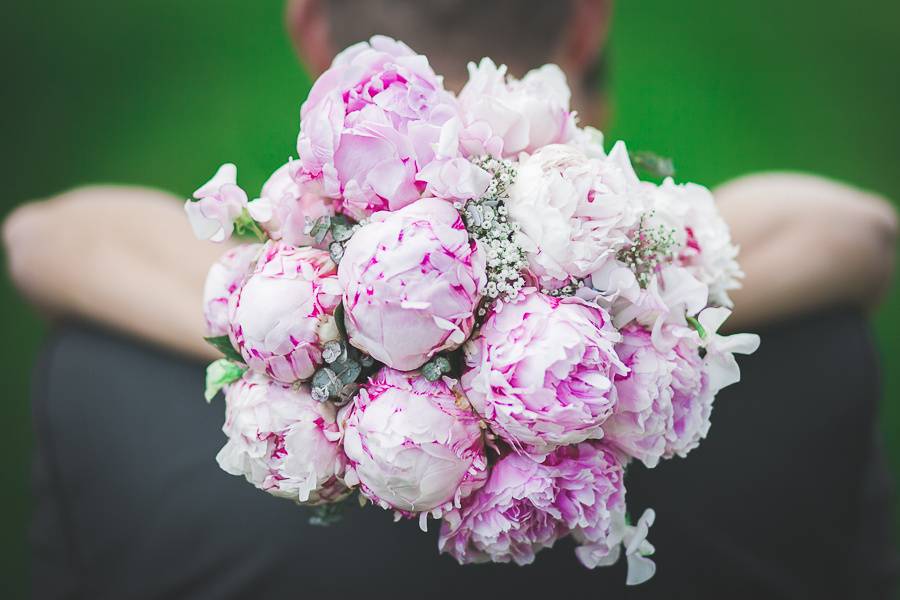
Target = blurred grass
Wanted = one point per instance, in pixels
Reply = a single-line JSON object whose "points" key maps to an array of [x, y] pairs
{"points": [[161, 92]]}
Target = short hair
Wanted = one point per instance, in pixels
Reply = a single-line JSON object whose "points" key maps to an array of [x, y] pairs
{"points": [[523, 34]]}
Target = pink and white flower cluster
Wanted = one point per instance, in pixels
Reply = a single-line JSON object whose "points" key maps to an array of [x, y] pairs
{"points": [[464, 308]]}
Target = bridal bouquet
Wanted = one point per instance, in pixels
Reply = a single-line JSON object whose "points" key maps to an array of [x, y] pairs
{"points": [[462, 307]]}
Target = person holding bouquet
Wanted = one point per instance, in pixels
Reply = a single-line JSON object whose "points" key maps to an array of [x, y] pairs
{"points": [[779, 220]]}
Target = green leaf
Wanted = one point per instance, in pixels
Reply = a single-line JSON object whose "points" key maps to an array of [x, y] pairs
{"points": [[348, 371], [339, 320], [219, 374], [693, 322], [442, 363], [431, 371], [347, 393], [222, 343], [320, 228], [436, 367], [325, 515], [652, 164], [341, 232], [325, 384], [336, 251], [334, 351]]}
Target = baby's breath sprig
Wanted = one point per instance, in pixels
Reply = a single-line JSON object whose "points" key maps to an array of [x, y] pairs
{"points": [[486, 220], [651, 247]]}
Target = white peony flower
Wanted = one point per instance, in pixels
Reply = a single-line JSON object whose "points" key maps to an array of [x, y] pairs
{"points": [[574, 212], [707, 250]]}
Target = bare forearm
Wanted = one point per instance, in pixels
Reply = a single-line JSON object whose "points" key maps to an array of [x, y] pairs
{"points": [[124, 257], [806, 243], [131, 294]]}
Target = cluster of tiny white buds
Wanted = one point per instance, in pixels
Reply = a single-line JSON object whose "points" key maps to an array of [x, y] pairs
{"points": [[486, 220], [651, 247]]}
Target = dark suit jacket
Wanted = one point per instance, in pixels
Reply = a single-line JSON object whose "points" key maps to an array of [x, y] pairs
{"points": [[786, 498]]}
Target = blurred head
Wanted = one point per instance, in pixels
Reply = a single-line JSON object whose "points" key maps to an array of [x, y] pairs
{"points": [[523, 34]]}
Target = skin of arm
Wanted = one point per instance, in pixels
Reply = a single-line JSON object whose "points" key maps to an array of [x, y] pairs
{"points": [[807, 243], [121, 256], [126, 257]]}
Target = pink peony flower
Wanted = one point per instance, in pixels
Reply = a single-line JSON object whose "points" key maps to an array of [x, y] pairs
{"points": [[288, 205], [225, 277], [642, 423], [282, 441], [216, 205], [540, 372], [412, 280], [505, 116], [574, 212], [284, 313], [697, 380], [527, 505], [372, 122], [692, 399], [413, 446]]}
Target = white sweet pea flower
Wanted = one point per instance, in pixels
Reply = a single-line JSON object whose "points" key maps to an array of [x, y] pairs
{"points": [[217, 205], [638, 548], [721, 365], [633, 538]]}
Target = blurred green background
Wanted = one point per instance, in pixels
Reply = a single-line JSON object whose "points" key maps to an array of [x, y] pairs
{"points": [[160, 92]]}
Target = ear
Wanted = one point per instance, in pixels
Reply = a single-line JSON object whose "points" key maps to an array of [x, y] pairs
{"points": [[307, 23], [586, 34]]}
